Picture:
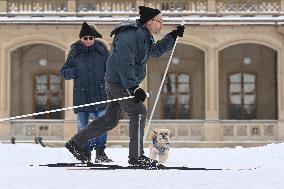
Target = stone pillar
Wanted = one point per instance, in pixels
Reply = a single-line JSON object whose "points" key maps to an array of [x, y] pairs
{"points": [[139, 3], [280, 130], [211, 86], [211, 6], [3, 6], [280, 95], [212, 128], [69, 114], [70, 124], [5, 130], [4, 83], [69, 129], [5, 126], [282, 6], [280, 83], [71, 6], [212, 131], [2, 79]]}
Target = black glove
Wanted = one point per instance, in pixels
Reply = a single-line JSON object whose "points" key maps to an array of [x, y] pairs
{"points": [[178, 31], [139, 93]]}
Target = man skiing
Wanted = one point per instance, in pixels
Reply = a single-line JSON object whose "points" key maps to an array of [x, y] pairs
{"points": [[132, 47]]}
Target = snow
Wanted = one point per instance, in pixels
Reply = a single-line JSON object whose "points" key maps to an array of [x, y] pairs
{"points": [[266, 164]]}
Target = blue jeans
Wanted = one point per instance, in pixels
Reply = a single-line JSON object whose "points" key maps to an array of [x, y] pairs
{"points": [[82, 123]]}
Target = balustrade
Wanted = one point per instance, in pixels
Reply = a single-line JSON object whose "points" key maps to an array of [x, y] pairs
{"points": [[105, 6], [24, 6], [254, 6], [118, 7], [178, 5]]}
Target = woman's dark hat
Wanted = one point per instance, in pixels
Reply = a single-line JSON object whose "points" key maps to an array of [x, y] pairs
{"points": [[88, 30]]}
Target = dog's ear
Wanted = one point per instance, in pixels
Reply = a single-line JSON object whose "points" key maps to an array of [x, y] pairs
{"points": [[170, 133], [153, 134]]}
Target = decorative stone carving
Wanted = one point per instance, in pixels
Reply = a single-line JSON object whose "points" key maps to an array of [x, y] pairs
{"points": [[255, 131], [196, 130], [242, 130], [228, 131], [268, 130]]}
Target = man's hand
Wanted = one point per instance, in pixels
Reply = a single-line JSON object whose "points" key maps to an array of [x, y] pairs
{"points": [[139, 93], [178, 31]]}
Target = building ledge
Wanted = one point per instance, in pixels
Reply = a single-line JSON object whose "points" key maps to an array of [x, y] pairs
{"points": [[103, 19]]}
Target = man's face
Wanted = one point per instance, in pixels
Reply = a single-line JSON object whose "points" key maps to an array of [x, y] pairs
{"points": [[155, 25], [88, 40]]}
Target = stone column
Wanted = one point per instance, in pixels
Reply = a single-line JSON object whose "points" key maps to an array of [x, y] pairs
{"points": [[5, 83], [69, 114], [139, 3], [5, 130], [1, 82], [5, 127], [70, 124], [212, 128], [212, 131], [71, 6], [3, 6], [282, 6], [211, 86], [211, 6], [280, 95], [280, 130], [280, 84]]}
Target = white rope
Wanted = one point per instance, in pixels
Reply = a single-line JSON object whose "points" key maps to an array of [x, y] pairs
{"points": [[68, 108], [160, 88]]}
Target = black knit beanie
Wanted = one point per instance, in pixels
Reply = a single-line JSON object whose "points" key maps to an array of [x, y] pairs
{"points": [[147, 13], [87, 30]]}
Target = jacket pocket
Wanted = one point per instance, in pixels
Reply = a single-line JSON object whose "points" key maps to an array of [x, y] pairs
{"points": [[79, 96], [102, 90]]}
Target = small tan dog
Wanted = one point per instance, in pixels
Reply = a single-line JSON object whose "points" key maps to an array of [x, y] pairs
{"points": [[161, 139]]}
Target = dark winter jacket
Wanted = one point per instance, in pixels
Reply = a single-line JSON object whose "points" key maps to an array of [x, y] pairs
{"points": [[131, 48], [86, 66]]}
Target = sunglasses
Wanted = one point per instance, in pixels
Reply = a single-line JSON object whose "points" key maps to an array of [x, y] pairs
{"points": [[88, 37]]}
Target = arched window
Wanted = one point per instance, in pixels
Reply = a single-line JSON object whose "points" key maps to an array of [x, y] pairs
{"points": [[48, 95], [176, 96], [242, 96]]}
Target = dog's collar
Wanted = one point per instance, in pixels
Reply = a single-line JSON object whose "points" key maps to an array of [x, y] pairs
{"points": [[160, 148]]}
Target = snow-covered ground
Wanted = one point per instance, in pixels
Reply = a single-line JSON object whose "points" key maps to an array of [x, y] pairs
{"points": [[16, 171]]}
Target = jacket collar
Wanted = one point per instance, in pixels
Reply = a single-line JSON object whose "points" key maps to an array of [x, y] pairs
{"points": [[129, 24], [80, 47]]}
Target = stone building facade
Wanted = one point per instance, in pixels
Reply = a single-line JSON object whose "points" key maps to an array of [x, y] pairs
{"points": [[225, 86]]}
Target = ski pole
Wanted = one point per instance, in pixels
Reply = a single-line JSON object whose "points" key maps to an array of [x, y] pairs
{"points": [[67, 108], [160, 88]]}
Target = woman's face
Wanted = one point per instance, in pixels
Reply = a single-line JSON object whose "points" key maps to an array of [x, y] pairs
{"points": [[88, 40]]}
